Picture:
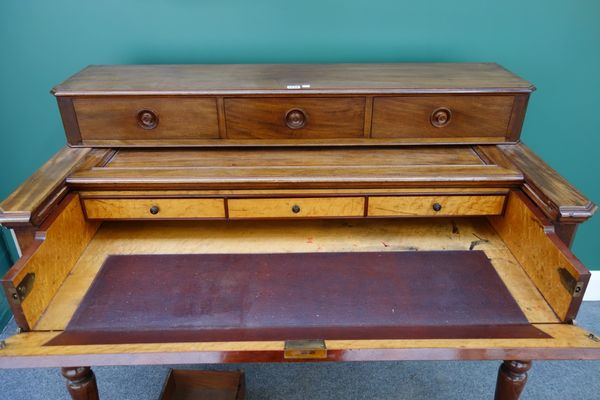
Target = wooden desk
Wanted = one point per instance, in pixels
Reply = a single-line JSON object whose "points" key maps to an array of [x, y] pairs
{"points": [[229, 186]]}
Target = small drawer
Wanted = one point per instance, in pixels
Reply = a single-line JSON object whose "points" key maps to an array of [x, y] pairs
{"points": [[182, 384], [413, 206], [441, 116], [154, 208], [304, 118], [146, 118], [297, 207]]}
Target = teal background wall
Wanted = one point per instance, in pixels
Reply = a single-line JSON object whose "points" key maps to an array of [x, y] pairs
{"points": [[553, 43]]}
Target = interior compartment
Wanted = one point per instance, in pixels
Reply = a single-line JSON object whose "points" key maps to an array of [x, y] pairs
{"points": [[532, 252]]}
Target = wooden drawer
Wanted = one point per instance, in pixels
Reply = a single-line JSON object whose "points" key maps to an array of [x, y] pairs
{"points": [[435, 205], [303, 118], [153, 208], [297, 207], [441, 116], [146, 118]]}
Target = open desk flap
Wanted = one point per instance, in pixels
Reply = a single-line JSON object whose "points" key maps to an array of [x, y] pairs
{"points": [[263, 297]]}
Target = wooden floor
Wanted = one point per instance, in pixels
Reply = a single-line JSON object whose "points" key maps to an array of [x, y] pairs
{"points": [[154, 237]]}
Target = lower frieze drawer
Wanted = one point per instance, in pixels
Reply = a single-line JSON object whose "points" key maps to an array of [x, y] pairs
{"points": [[382, 206], [151, 208], [297, 207]]}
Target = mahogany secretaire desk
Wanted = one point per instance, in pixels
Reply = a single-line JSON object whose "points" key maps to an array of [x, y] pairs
{"points": [[268, 213]]}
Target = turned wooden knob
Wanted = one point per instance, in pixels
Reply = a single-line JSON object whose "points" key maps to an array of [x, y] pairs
{"points": [[437, 207], [296, 209], [154, 210], [295, 118], [147, 119], [441, 117]]}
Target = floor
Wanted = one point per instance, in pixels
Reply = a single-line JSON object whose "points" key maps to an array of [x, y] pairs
{"points": [[361, 380]]}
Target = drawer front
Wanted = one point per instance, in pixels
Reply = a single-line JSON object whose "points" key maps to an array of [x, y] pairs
{"points": [[146, 118], [153, 208], [297, 207], [441, 116], [435, 205], [303, 118]]}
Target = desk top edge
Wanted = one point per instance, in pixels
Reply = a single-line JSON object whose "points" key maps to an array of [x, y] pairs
{"points": [[292, 79]]}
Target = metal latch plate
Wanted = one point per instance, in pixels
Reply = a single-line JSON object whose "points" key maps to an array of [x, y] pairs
{"points": [[570, 283], [305, 349], [23, 289]]}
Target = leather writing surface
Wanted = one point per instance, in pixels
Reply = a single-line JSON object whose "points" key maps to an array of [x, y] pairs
{"points": [[233, 297]]}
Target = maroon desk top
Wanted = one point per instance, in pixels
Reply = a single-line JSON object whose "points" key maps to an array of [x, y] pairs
{"points": [[238, 297]]}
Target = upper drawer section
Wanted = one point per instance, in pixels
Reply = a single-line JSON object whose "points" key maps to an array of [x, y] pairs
{"points": [[256, 105], [293, 117], [441, 116], [146, 118]]}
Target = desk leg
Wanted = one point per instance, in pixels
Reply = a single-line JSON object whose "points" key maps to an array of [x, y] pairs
{"points": [[512, 377], [81, 383]]}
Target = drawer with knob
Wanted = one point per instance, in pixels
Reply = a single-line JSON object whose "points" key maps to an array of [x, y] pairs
{"points": [[458, 116], [297, 207], [146, 118], [295, 118], [387, 206], [148, 208]]}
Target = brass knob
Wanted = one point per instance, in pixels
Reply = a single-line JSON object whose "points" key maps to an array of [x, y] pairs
{"points": [[147, 119], [295, 118], [441, 117], [154, 210], [296, 209], [437, 207]]}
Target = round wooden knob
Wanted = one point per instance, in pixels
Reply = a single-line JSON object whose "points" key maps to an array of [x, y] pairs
{"points": [[296, 209], [147, 119], [154, 210], [295, 118], [437, 207], [441, 117]]}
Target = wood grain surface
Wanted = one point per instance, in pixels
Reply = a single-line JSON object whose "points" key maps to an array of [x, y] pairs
{"points": [[229, 105], [426, 205], [299, 168], [23, 204], [296, 207], [117, 118], [559, 199], [274, 78], [471, 116], [542, 255], [58, 247], [264, 118], [209, 237], [567, 342], [165, 208]]}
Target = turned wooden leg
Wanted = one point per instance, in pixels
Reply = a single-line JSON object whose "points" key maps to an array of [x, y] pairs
{"points": [[81, 383], [512, 377]]}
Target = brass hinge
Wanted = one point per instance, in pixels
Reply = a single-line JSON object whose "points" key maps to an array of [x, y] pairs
{"points": [[305, 349], [19, 293]]}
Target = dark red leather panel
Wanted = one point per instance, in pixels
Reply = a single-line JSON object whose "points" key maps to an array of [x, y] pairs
{"points": [[230, 297]]}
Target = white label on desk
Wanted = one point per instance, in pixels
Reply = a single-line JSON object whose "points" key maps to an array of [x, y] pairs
{"points": [[302, 86]]}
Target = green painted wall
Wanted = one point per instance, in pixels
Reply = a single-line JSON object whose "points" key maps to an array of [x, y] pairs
{"points": [[553, 43]]}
